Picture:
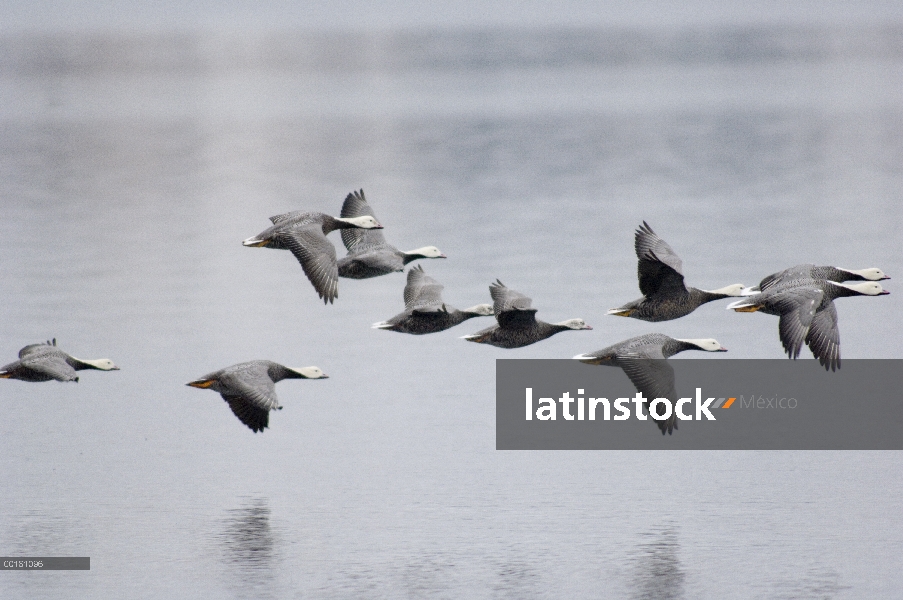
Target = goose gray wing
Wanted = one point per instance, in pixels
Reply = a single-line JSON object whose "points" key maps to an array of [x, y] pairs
{"points": [[824, 337], [51, 362], [796, 307], [512, 309], [317, 257], [355, 239], [659, 269], [256, 418], [786, 276], [300, 217], [251, 395], [504, 298], [654, 378], [32, 348], [422, 291]]}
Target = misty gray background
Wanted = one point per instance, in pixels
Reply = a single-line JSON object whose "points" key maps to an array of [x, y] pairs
{"points": [[140, 143]]}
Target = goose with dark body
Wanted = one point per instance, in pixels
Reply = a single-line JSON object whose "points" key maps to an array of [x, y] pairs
{"points": [[424, 310], [807, 314], [810, 271], [304, 234], [369, 255], [661, 279], [46, 362], [249, 388], [643, 360], [517, 323]]}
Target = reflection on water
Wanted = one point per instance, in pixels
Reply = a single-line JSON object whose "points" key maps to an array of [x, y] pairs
{"points": [[249, 546], [816, 583], [658, 572], [36, 533]]}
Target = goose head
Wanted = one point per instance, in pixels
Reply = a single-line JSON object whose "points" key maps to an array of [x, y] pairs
{"points": [[574, 324], [364, 222], [866, 288], [481, 310], [706, 344], [310, 373], [101, 364], [736, 289], [426, 252], [871, 274]]}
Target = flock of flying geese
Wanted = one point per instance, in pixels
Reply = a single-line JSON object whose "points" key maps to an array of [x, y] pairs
{"points": [[802, 296]]}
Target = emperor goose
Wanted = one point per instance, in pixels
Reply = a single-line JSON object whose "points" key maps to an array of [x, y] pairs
{"points": [[304, 233], [369, 255], [812, 272], [43, 362], [517, 323], [665, 296], [424, 310], [807, 314], [250, 388], [642, 359]]}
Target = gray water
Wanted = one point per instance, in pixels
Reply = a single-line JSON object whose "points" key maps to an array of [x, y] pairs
{"points": [[132, 166]]}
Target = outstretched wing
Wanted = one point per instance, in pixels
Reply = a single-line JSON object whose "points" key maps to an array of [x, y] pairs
{"points": [[654, 378], [796, 307], [659, 269], [824, 338], [317, 257], [787, 276], [51, 362], [32, 348], [253, 416], [355, 239], [251, 395], [505, 298], [422, 291], [512, 309]]}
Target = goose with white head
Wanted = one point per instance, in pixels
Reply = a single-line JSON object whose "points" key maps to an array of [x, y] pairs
{"points": [[517, 325], [304, 234], [424, 310], [46, 362], [369, 254], [810, 271], [807, 314], [642, 359], [249, 388], [660, 274]]}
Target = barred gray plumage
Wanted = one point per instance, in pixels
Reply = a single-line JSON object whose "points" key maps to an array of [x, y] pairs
{"points": [[425, 312], [304, 234], [517, 323], [46, 362], [249, 388], [643, 360], [369, 255], [660, 274]]}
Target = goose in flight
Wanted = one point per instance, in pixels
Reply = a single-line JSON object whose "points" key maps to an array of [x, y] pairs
{"points": [[807, 314], [643, 360], [304, 234], [660, 273], [250, 388], [424, 311], [44, 362], [810, 271], [369, 255], [517, 325]]}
